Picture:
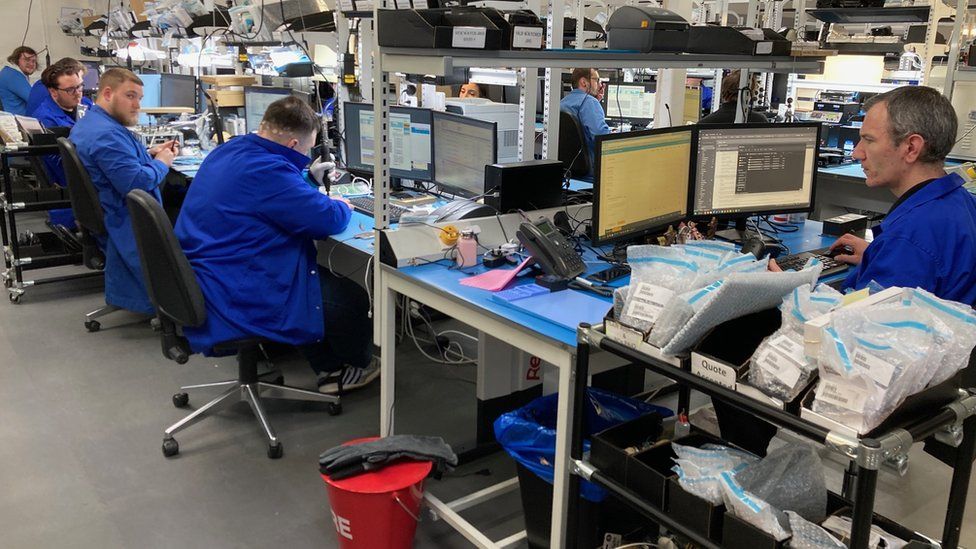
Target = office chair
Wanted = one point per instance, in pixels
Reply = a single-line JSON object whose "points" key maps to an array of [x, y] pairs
{"points": [[175, 293], [89, 216], [572, 146]]}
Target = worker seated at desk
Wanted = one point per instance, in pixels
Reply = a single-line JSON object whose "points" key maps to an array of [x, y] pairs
{"points": [[42, 90], [15, 83], [471, 89], [928, 238], [582, 103], [726, 109], [248, 227], [117, 163]]}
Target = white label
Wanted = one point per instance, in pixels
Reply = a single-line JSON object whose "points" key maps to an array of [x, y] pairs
{"points": [[364, 5], [790, 348], [843, 396], [647, 301], [527, 37], [624, 335], [469, 37], [419, 4], [713, 371], [346, 5], [764, 48], [878, 369], [780, 365]]}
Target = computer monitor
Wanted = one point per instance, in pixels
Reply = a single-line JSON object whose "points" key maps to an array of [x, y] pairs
{"points": [[631, 102], [463, 146], [178, 90], [641, 182], [754, 169], [411, 144], [92, 74], [256, 101]]}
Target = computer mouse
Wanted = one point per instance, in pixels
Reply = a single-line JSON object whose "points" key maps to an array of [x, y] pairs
{"points": [[756, 247], [840, 250]]}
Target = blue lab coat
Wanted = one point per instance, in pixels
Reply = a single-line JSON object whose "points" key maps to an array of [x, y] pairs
{"points": [[118, 162], [38, 93], [50, 115], [248, 227], [928, 241], [14, 90], [590, 114]]}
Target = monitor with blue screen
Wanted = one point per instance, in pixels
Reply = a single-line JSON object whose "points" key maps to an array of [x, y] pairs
{"points": [[410, 136]]}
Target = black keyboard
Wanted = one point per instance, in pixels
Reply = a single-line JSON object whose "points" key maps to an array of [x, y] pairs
{"points": [[364, 204], [796, 261]]}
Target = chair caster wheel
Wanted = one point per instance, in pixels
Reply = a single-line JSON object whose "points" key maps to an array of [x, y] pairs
{"points": [[156, 325], [180, 400], [93, 325], [170, 447], [335, 408], [275, 451], [15, 298]]}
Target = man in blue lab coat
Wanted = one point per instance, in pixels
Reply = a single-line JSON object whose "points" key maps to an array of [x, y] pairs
{"points": [[928, 238], [14, 82], [42, 90], [117, 163], [582, 103], [248, 227]]}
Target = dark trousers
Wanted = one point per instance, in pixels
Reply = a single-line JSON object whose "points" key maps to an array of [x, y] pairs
{"points": [[348, 337]]}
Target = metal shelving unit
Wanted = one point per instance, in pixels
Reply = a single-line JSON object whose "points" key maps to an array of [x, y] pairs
{"points": [[867, 453]]}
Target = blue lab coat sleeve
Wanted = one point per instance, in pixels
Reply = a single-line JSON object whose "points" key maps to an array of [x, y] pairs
{"points": [[592, 118], [302, 210], [112, 156], [895, 261]]}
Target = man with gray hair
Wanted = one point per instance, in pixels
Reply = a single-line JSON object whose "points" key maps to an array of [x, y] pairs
{"points": [[928, 238]]}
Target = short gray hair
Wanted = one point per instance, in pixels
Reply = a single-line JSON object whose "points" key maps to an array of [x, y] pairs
{"points": [[923, 111]]}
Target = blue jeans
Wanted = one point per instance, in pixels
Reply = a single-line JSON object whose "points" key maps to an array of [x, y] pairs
{"points": [[348, 337]]}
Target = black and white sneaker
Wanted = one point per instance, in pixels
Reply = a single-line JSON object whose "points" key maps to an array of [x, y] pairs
{"points": [[349, 379]]}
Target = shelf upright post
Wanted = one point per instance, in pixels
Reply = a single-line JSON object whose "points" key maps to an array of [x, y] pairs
{"points": [[961, 473], [580, 374], [870, 455], [669, 101], [528, 83], [937, 10], [550, 119], [717, 81], [382, 97], [955, 42]]}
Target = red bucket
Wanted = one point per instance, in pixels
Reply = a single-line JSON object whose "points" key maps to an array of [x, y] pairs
{"points": [[378, 510]]}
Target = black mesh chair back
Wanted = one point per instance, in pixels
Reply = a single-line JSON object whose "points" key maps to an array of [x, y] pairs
{"points": [[572, 146], [172, 286], [84, 198]]}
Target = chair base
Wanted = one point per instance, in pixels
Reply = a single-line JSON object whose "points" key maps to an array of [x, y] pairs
{"points": [[93, 325], [252, 393]]}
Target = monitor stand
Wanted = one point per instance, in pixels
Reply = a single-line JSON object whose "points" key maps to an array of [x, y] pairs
{"points": [[739, 233]]}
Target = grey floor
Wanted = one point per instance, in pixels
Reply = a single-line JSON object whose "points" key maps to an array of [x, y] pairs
{"points": [[81, 421]]}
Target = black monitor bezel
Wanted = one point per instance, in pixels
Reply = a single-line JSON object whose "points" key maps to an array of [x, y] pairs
{"points": [[163, 77], [284, 92], [598, 240], [605, 103], [91, 66], [450, 189], [693, 185]]}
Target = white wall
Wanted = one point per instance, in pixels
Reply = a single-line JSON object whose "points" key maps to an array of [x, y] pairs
{"points": [[43, 31]]}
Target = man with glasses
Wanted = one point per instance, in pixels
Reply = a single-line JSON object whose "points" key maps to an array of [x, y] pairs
{"points": [[583, 103], [40, 91], [15, 86]]}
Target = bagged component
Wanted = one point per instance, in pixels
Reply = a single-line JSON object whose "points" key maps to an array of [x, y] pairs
{"points": [[699, 469], [657, 273], [750, 508], [803, 304], [961, 322], [619, 298], [879, 538], [790, 477], [679, 311], [779, 367], [807, 535]]}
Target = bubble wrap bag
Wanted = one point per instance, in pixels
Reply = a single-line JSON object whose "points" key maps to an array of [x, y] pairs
{"points": [[780, 367], [751, 508], [872, 360], [698, 469], [740, 294], [807, 535], [657, 273], [790, 477], [679, 311], [619, 298], [803, 304]]}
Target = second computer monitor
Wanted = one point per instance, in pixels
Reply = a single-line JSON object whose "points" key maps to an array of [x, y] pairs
{"points": [[641, 182], [631, 102], [755, 169], [463, 147], [256, 101], [178, 90]]}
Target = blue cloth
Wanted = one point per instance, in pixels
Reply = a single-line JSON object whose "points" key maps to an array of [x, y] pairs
{"points": [[928, 241], [248, 227], [117, 163], [50, 115], [14, 90], [38, 93], [588, 111]]}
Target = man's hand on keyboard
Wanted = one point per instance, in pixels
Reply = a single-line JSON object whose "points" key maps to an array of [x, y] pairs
{"points": [[773, 267], [858, 245]]}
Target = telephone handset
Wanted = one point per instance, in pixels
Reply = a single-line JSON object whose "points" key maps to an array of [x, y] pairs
{"points": [[552, 251]]}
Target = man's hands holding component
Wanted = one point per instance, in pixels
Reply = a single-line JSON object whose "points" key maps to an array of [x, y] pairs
{"points": [[165, 152]]}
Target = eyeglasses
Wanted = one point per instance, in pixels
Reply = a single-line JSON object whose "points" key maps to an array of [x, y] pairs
{"points": [[73, 89]]}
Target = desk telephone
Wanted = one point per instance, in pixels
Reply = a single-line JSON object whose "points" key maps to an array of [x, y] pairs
{"points": [[552, 251]]}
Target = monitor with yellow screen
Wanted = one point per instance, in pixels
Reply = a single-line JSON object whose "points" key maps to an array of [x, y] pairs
{"points": [[641, 182]]}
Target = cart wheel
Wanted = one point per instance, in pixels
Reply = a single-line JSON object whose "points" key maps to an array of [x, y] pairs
{"points": [[170, 447], [275, 451], [180, 400], [93, 325], [335, 408]]}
